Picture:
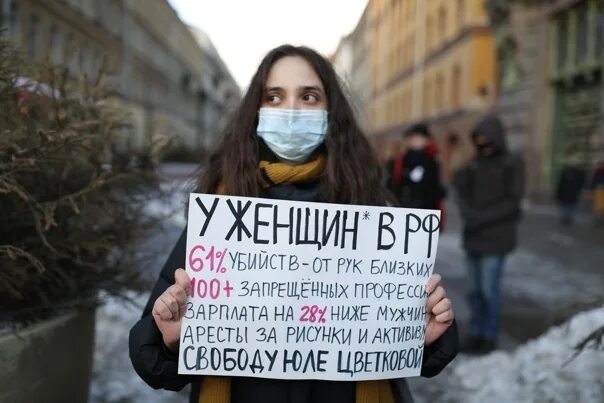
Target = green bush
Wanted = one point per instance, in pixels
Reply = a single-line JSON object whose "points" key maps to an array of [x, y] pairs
{"points": [[70, 225], [182, 153]]}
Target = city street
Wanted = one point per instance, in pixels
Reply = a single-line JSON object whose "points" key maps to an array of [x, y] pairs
{"points": [[114, 111], [556, 272]]}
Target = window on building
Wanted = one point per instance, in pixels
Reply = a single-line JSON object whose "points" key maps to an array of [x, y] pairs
{"points": [[599, 53], [439, 93], [411, 10], [442, 23], [405, 44], [461, 13], [33, 35], [581, 37], [562, 42], [509, 71], [456, 87], [9, 17], [427, 95], [87, 8], [56, 45], [393, 63], [401, 56], [429, 34], [84, 58], [3, 15], [409, 52], [71, 52], [97, 61], [408, 105]]}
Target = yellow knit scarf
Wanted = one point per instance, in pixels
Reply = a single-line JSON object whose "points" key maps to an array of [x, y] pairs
{"points": [[217, 389], [275, 173]]}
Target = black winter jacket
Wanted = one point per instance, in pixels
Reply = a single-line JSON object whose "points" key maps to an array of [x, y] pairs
{"points": [[424, 191], [158, 366], [571, 182], [489, 191]]}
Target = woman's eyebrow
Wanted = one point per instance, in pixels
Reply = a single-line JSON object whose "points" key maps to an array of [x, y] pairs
{"points": [[269, 89], [311, 88]]}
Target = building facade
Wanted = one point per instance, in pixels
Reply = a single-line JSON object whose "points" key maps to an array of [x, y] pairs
{"points": [[352, 62], [159, 68], [430, 61], [217, 88], [551, 57]]}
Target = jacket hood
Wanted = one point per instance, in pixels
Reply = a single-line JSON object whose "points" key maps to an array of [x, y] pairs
{"points": [[491, 128]]}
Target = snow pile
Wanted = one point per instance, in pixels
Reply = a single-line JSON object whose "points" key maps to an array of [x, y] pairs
{"points": [[114, 379], [537, 371]]}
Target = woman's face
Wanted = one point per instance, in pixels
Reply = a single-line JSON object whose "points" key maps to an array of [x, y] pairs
{"points": [[293, 84]]}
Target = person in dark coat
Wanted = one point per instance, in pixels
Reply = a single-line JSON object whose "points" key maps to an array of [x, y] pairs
{"points": [[414, 176], [489, 191], [323, 157], [570, 184]]}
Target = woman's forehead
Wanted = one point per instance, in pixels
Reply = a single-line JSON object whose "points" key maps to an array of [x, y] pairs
{"points": [[293, 72]]}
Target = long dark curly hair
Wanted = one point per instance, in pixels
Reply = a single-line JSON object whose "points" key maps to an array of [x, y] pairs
{"points": [[352, 174]]}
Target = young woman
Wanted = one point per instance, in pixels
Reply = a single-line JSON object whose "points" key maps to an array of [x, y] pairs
{"points": [[319, 155]]}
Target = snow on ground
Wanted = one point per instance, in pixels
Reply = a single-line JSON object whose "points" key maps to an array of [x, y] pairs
{"points": [[171, 206], [538, 371], [541, 370], [114, 378]]}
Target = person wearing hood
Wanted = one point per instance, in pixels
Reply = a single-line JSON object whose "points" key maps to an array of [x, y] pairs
{"points": [[414, 176], [489, 191]]}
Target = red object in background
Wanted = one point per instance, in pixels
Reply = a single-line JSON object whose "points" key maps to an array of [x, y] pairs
{"points": [[432, 149]]}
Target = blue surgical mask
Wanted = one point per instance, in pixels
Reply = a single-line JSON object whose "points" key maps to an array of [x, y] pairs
{"points": [[292, 134]]}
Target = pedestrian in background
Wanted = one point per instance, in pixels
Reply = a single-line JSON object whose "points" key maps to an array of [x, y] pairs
{"points": [[568, 191], [293, 137], [489, 191], [451, 156], [414, 175], [597, 191]]}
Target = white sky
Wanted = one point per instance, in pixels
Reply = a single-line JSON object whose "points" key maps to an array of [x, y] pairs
{"points": [[243, 31]]}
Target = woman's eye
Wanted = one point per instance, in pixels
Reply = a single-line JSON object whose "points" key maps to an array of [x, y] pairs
{"points": [[272, 99], [311, 98]]}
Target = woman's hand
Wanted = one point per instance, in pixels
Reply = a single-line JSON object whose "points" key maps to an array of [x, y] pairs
{"points": [[170, 307], [439, 310]]}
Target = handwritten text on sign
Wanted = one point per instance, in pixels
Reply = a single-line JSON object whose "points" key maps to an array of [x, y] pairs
{"points": [[295, 290]]}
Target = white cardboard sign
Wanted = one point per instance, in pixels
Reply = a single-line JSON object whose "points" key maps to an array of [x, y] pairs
{"points": [[296, 290]]}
